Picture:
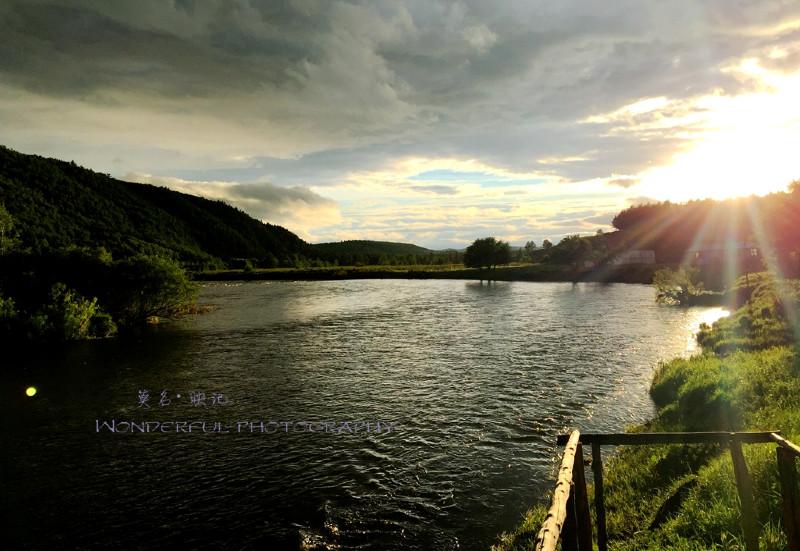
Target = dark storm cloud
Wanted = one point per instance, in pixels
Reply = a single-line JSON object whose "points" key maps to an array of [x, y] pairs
{"points": [[74, 50]]}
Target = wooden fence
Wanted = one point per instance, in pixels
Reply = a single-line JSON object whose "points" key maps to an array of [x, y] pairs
{"points": [[569, 520]]}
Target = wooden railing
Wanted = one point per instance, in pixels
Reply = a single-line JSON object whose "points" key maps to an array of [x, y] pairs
{"points": [[569, 519]]}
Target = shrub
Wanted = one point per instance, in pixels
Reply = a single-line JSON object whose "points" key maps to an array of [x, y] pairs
{"points": [[69, 316], [8, 316], [147, 286]]}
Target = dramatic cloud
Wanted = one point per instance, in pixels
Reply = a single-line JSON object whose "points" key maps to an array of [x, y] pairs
{"points": [[295, 207], [363, 101]]}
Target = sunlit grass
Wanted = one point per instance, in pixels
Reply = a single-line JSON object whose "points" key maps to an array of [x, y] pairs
{"points": [[753, 383]]}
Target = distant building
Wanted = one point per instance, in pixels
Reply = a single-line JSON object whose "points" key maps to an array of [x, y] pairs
{"points": [[726, 252], [645, 256]]}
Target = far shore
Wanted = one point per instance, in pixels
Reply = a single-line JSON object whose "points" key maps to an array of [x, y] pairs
{"points": [[531, 272]]}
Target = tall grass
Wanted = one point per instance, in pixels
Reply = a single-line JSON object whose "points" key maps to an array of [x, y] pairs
{"points": [[684, 497]]}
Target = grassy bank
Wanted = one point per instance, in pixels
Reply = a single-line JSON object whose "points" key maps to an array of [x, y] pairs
{"points": [[513, 272], [684, 497]]}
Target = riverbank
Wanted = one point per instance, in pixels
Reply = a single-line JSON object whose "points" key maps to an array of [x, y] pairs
{"points": [[684, 497], [524, 272]]}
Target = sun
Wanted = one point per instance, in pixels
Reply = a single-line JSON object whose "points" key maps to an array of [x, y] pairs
{"points": [[747, 145]]}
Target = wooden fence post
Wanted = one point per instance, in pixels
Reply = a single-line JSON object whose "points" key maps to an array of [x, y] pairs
{"points": [[744, 485], [569, 533], [791, 513], [599, 505], [583, 517]]}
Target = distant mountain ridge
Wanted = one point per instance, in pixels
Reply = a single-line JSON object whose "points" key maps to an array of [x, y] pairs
{"points": [[366, 246], [57, 204]]}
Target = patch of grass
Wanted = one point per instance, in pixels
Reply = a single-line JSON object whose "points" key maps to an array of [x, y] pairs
{"points": [[767, 318], [524, 535], [748, 378]]}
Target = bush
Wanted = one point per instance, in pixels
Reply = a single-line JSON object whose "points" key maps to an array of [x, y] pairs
{"points": [[8, 315], [148, 286], [69, 316], [676, 286], [102, 325]]}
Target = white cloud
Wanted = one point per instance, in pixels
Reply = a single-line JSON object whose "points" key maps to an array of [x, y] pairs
{"points": [[298, 209], [479, 37]]}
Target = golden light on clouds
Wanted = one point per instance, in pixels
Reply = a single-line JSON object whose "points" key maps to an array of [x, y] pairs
{"points": [[736, 145], [407, 122]]}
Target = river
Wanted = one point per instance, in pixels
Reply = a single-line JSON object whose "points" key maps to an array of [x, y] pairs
{"points": [[470, 383]]}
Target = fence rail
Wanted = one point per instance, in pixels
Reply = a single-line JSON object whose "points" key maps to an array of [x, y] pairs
{"points": [[568, 520]]}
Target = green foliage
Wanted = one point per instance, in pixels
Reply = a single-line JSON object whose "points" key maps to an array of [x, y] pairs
{"points": [[677, 286], [56, 205], [743, 390], [673, 231], [48, 293], [528, 250], [487, 252], [102, 325], [149, 286], [8, 315], [7, 238], [523, 537], [69, 316], [754, 385], [768, 318], [379, 253], [575, 249]]}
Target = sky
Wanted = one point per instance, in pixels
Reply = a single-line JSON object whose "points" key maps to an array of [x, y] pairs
{"points": [[427, 121]]}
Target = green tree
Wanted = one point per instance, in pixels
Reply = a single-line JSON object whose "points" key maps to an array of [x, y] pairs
{"points": [[675, 286], [547, 245], [69, 316], [7, 239], [572, 249], [529, 248], [487, 252], [8, 315], [150, 286]]}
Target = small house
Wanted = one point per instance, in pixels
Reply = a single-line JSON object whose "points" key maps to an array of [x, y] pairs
{"points": [[720, 253], [634, 256]]}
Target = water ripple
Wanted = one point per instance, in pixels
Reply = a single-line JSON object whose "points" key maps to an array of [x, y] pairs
{"points": [[479, 380]]}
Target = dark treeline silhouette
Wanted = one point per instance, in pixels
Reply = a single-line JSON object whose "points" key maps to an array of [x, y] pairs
{"points": [[386, 253], [674, 231], [56, 204]]}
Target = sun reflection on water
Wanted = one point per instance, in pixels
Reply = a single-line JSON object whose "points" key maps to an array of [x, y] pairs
{"points": [[699, 317]]}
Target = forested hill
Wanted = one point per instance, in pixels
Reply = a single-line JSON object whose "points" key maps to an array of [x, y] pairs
{"points": [[371, 252], [57, 204], [771, 223]]}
